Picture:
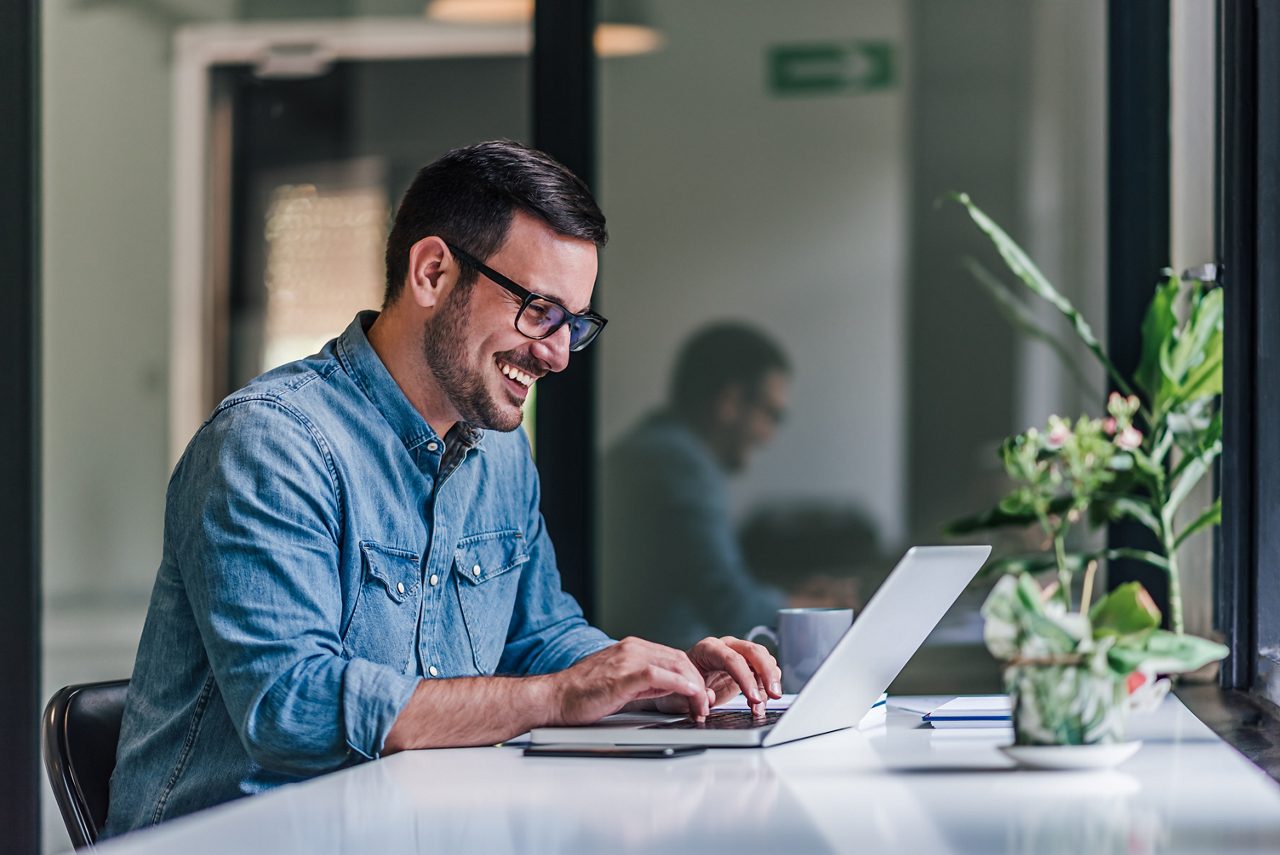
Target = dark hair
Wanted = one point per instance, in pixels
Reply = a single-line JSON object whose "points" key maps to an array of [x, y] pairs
{"points": [[469, 196], [717, 357]]}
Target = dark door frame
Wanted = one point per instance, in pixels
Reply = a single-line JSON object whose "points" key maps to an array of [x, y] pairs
{"points": [[1138, 190], [1248, 237], [20, 429], [564, 116]]}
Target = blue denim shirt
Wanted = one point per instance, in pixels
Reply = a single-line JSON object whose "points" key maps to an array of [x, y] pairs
{"points": [[317, 563]]}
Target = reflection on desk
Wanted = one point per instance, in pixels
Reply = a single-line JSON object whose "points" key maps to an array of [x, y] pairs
{"points": [[903, 789]]}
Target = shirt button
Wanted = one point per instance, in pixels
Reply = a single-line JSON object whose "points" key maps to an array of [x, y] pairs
{"points": [[400, 587], [433, 446], [433, 672], [475, 571], [434, 579]]}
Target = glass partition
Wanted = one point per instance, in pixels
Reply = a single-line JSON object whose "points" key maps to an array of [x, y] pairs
{"points": [[217, 181], [800, 379]]}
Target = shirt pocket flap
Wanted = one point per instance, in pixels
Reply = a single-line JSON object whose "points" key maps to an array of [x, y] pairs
{"points": [[482, 557], [397, 570]]}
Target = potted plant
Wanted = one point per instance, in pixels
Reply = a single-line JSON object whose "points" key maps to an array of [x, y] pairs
{"points": [[1069, 669]]}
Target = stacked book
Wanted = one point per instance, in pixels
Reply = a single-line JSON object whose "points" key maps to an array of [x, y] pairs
{"points": [[974, 711]]}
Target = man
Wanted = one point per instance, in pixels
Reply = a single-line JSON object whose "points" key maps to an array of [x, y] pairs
{"points": [[353, 547], [673, 562]]}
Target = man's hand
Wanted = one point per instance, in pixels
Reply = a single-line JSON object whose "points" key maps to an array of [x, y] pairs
{"points": [[730, 665], [629, 671]]}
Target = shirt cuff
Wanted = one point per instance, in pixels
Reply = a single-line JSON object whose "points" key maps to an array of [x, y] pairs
{"points": [[372, 698]]}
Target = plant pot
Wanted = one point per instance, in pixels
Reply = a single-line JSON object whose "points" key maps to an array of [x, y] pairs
{"points": [[1066, 705]]}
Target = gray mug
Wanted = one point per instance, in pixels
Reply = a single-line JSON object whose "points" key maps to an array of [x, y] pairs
{"points": [[803, 639]]}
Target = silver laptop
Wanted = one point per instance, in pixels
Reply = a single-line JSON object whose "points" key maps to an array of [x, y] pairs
{"points": [[871, 653]]}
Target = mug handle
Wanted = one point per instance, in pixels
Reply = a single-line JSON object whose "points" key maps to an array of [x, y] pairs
{"points": [[767, 632]]}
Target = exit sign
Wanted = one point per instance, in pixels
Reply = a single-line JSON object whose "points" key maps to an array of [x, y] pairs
{"points": [[831, 68]]}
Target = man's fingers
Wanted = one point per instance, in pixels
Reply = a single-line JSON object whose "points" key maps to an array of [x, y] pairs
{"points": [[655, 678], [739, 669], [673, 682], [761, 662]]}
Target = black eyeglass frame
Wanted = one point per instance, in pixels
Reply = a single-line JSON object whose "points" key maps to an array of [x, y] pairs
{"points": [[526, 299]]}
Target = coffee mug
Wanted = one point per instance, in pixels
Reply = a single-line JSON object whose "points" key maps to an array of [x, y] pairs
{"points": [[803, 639]]}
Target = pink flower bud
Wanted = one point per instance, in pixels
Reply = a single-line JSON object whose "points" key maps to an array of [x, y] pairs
{"points": [[1109, 425], [1057, 437], [1129, 439]]}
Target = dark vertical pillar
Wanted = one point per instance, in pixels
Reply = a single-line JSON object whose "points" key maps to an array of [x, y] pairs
{"points": [[1236, 233], [1266, 329], [1137, 210], [19, 429], [564, 127]]}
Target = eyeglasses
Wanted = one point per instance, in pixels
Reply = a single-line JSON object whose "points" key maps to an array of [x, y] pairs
{"points": [[539, 316]]}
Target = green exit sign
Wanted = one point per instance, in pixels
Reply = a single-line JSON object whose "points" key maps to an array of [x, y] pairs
{"points": [[831, 68]]}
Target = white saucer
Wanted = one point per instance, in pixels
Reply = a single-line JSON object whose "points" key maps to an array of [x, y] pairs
{"points": [[1071, 756]]}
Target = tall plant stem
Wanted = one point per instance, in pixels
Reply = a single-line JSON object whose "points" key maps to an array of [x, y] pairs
{"points": [[1064, 572], [1175, 588]]}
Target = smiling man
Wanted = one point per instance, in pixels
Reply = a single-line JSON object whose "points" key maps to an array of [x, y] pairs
{"points": [[354, 560]]}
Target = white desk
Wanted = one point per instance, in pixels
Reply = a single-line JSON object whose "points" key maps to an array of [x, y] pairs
{"points": [[898, 788]]}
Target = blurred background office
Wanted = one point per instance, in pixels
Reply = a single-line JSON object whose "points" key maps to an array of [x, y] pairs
{"points": [[218, 178]]}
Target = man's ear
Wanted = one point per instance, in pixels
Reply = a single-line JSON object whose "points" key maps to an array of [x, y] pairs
{"points": [[429, 259], [730, 403]]}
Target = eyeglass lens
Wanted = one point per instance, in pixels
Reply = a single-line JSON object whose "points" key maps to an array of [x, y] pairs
{"points": [[541, 318]]}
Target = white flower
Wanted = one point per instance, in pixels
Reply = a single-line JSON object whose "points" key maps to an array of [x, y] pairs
{"points": [[1059, 433], [1129, 439]]}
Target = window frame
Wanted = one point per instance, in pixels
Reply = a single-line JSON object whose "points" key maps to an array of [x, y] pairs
{"points": [[1248, 215]]}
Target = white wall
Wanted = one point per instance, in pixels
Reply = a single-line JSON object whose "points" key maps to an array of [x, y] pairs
{"points": [[1066, 200], [105, 188], [1191, 68], [725, 200]]}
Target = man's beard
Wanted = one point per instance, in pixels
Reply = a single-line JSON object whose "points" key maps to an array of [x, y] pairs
{"points": [[443, 339]]}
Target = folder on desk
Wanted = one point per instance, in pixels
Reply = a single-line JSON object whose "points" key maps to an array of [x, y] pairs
{"points": [[974, 711]]}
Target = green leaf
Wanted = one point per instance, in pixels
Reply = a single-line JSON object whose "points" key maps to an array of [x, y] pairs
{"points": [[1021, 318], [1126, 610], [1187, 474], [1123, 507], [1205, 380], [1155, 559], [1157, 327], [1204, 322], [1025, 269], [1012, 511], [1212, 516], [1034, 563], [1162, 652]]}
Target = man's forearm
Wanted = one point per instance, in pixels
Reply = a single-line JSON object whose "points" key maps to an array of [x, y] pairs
{"points": [[472, 711]]}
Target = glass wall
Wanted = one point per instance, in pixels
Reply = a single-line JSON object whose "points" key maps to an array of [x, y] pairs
{"points": [[773, 178], [217, 182]]}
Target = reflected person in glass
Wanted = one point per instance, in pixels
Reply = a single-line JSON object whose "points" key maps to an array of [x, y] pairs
{"points": [[354, 558], [674, 568]]}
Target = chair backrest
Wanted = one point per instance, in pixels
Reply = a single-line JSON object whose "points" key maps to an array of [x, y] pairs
{"points": [[79, 732]]}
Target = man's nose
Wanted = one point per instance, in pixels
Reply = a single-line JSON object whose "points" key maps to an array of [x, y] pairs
{"points": [[554, 349]]}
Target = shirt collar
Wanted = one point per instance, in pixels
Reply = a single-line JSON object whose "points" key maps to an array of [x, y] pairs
{"points": [[364, 365]]}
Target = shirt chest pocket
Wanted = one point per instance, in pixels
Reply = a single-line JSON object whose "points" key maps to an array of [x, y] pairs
{"points": [[486, 568], [384, 624]]}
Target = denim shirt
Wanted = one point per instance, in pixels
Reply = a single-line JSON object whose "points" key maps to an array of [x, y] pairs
{"points": [[318, 561]]}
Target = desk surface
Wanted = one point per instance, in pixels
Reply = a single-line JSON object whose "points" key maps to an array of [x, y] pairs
{"points": [[898, 788]]}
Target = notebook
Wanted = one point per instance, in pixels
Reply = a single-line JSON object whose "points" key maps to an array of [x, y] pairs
{"points": [[973, 711]]}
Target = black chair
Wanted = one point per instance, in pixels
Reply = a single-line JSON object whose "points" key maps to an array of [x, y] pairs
{"points": [[79, 732]]}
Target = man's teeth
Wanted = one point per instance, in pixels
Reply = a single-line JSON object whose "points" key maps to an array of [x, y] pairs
{"points": [[516, 374]]}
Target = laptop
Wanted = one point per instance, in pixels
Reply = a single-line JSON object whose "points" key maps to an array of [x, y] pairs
{"points": [[892, 626]]}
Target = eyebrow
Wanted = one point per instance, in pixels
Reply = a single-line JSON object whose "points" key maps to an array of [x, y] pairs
{"points": [[581, 311]]}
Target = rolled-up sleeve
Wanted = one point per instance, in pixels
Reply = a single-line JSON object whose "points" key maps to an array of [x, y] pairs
{"points": [[548, 631], [260, 522]]}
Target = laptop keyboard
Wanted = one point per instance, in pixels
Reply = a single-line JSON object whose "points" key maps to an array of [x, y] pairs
{"points": [[723, 720]]}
